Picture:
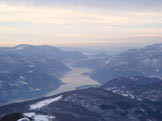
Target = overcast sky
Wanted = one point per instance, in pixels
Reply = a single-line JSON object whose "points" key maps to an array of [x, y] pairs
{"points": [[80, 22]]}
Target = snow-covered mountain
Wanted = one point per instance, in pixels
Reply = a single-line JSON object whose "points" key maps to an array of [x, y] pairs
{"points": [[136, 62], [28, 71], [136, 87], [43, 51], [94, 104]]}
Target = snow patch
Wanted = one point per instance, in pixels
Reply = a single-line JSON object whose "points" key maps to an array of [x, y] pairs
{"points": [[30, 71], [43, 103], [121, 92], [20, 48], [134, 78], [31, 66], [23, 119], [38, 117], [21, 77], [37, 89], [23, 82], [157, 70]]}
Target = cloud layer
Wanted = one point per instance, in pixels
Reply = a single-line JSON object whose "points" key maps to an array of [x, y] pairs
{"points": [[117, 4], [67, 22]]}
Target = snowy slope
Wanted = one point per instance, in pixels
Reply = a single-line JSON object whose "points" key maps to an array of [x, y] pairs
{"points": [[43, 103]]}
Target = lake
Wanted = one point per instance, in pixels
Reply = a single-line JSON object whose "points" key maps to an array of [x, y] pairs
{"points": [[74, 79]]}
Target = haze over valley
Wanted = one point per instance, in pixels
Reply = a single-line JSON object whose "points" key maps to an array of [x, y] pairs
{"points": [[80, 60]]}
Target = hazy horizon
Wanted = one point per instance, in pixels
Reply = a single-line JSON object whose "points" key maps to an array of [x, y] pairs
{"points": [[75, 23], [81, 60]]}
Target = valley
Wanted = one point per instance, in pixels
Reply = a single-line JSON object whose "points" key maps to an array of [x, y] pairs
{"points": [[70, 81], [81, 60], [67, 85], [74, 79]]}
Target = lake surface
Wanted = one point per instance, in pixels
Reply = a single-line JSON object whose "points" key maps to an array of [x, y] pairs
{"points": [[75, 79]]}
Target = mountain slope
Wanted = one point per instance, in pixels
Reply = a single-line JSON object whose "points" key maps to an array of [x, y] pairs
{"points": [[136, 87], [92, 104], [27, 71], [136, 62]]}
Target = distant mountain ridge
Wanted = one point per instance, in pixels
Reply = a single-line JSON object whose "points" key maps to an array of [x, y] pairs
{"points": [[136, 62], [28, 71], [43, 50]]}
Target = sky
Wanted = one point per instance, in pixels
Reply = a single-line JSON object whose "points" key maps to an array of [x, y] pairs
{"points": [[80, 22]]}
